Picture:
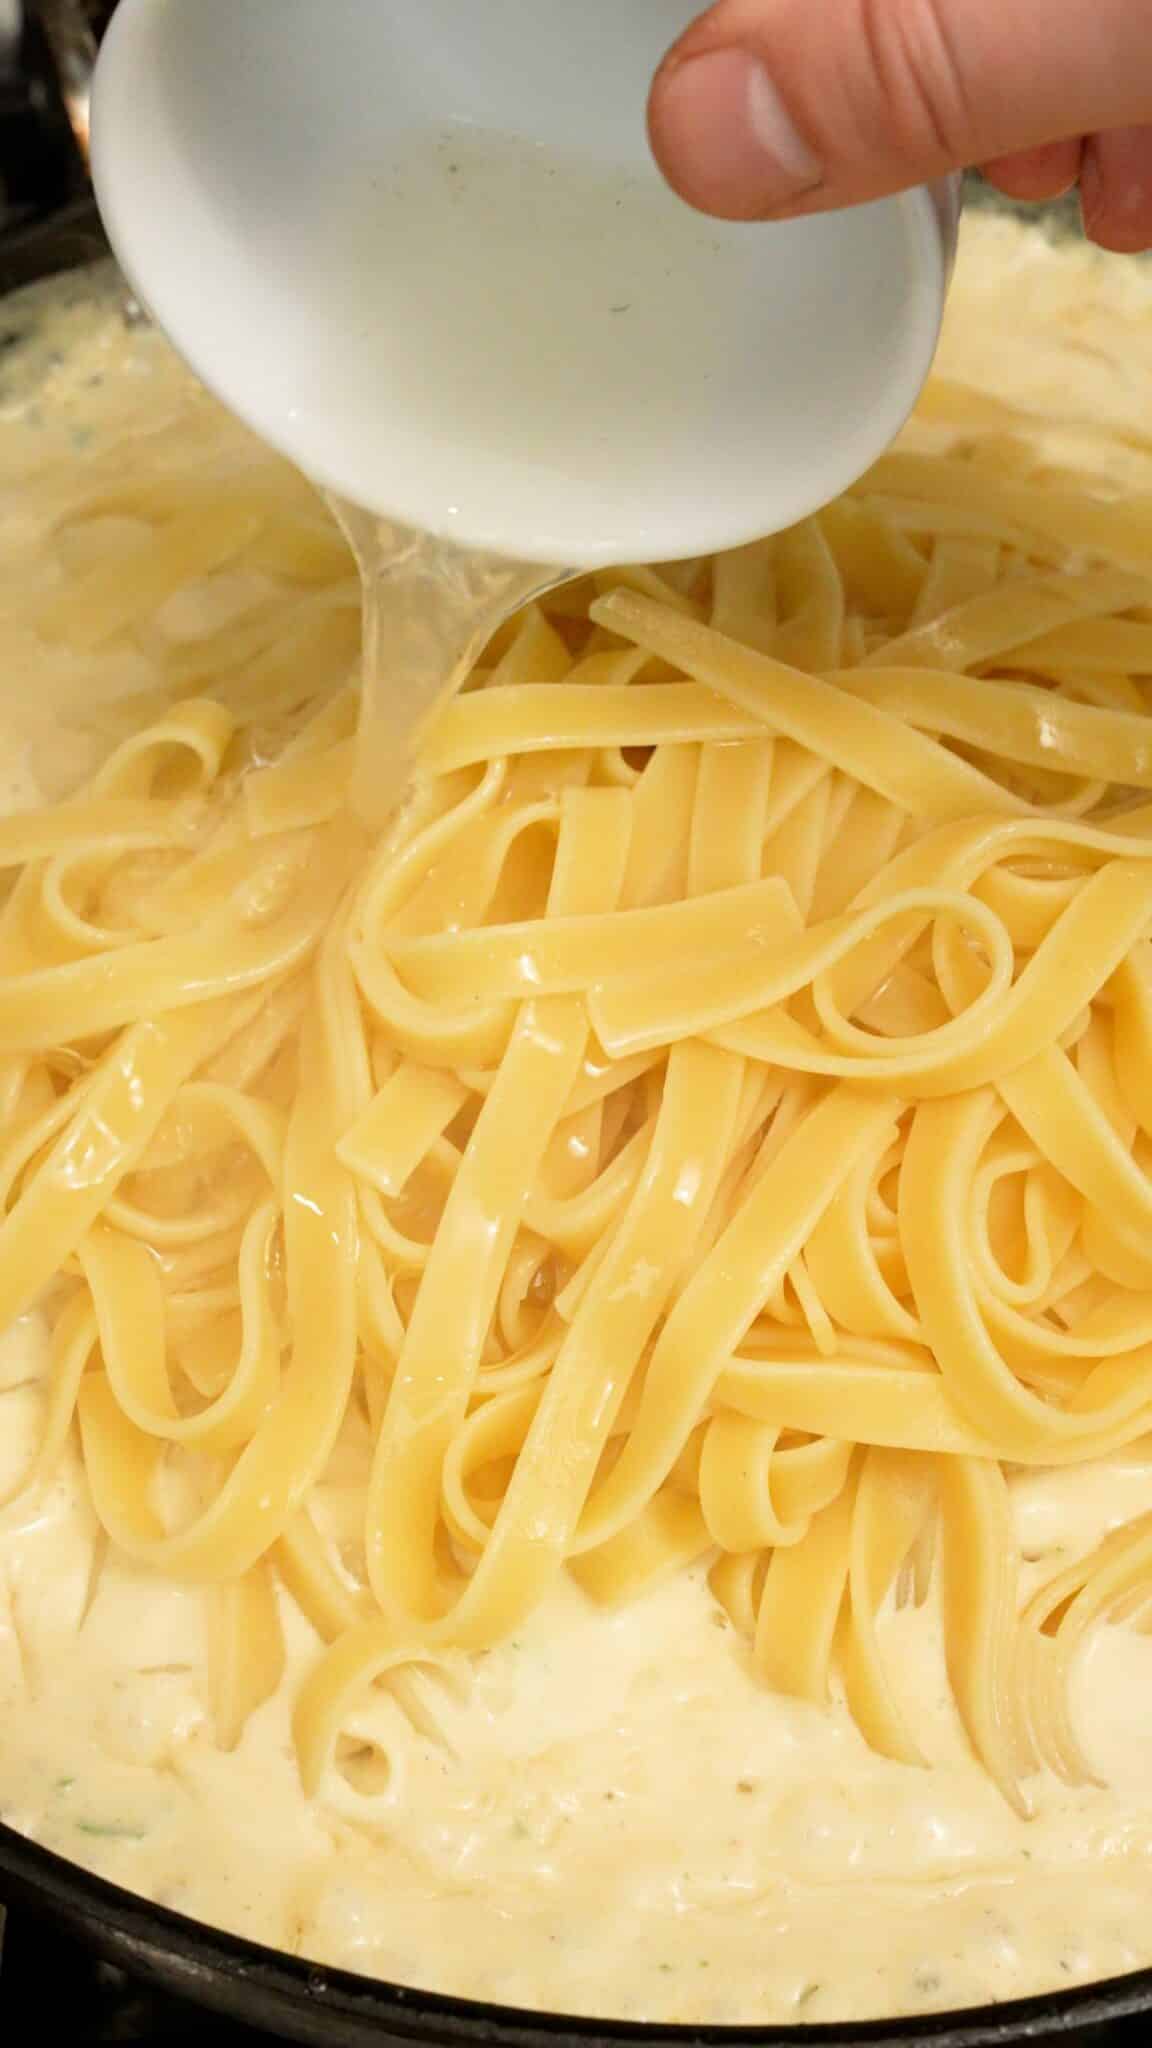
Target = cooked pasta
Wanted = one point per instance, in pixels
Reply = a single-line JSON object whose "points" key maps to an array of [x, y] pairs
{"points": [[714, 1122]]}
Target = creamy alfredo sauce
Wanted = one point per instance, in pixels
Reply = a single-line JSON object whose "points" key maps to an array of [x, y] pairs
{"points": [[617, 1819]]}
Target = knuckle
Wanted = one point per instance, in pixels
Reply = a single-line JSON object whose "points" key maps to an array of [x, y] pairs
{"points": [[1116, 191], [917, 77]]}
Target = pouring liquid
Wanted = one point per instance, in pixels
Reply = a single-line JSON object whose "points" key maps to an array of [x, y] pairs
{"points": [[582, 294], [429, 608], [584, 297]]}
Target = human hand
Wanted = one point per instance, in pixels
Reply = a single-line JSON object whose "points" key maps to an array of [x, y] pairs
{"points": [[766, 109]]}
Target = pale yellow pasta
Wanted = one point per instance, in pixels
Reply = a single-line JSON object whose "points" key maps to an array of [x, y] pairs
{"points": [[713, 1125]]}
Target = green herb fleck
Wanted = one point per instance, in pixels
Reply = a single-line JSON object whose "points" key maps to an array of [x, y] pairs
{"points": [[807, 1995], [111, 1830], [64, 1784]]}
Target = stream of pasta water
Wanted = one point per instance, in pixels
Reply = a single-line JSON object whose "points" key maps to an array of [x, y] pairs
{"points": [[430, 607], [586, 301]]}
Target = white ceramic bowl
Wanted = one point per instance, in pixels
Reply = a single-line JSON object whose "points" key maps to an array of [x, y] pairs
{"points": [[529, 346]]}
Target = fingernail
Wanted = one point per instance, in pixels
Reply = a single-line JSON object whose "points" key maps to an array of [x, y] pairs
{"points": [[727, 140]]}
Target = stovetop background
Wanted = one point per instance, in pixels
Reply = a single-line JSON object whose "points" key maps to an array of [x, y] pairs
{"points": [[49, 1980]]}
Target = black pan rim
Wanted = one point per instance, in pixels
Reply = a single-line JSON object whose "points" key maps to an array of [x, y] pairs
{"points": [[228, 1971]]}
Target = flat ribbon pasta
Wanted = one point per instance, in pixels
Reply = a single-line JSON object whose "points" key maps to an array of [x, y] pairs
{"points": [[710, 1130]]}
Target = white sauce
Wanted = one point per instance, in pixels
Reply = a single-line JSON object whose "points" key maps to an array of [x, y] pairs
{"points": [[620, 1820]]}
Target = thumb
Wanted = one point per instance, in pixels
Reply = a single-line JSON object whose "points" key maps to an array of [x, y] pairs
{"points": [[771, 107]]}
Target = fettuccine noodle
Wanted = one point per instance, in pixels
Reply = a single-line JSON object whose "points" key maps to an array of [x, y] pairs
{"points": [[715, 1123]]}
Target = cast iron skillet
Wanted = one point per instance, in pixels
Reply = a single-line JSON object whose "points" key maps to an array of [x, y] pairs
{"points": [[335, 2009]]}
